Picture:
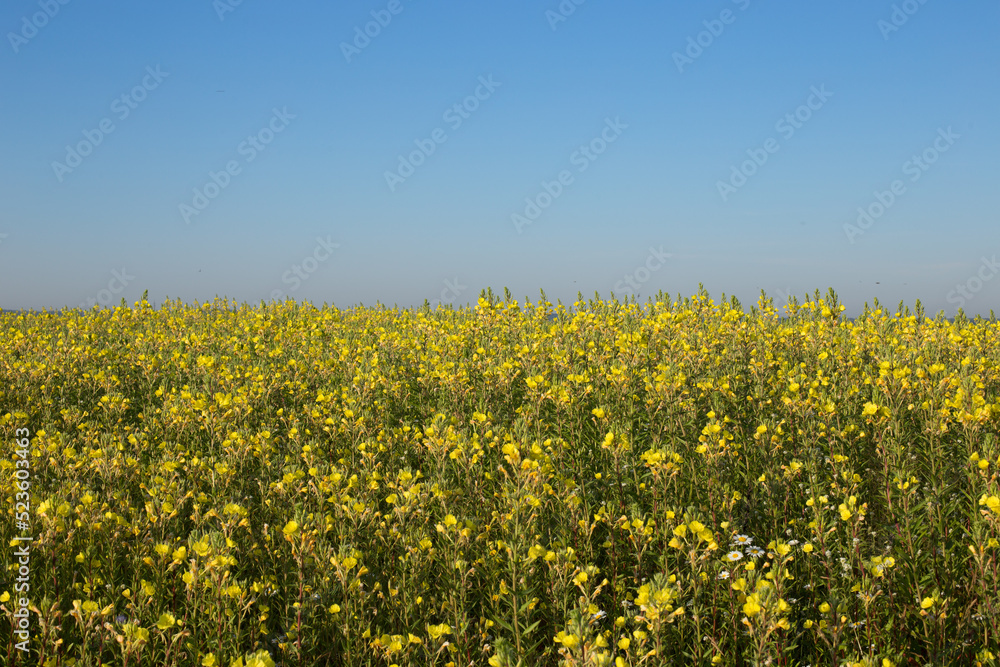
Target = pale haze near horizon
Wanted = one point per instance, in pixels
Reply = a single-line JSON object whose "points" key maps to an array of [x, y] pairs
{"points": [[730, 144]]}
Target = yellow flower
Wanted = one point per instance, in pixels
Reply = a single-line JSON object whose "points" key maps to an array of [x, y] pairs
{"points": [[166, 621], [623, 643], [696, 526], [536, 551], [824, 608], [680, 531], [927, 603], [90, 607], [869, 409], [334, 609], [209, 660], [580, 579], [807, 547], [450, 521], [260, 659], [662, 596], [290, 528], [437, 631], [350, 562]]}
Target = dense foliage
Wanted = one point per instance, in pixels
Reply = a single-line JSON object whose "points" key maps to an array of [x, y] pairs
{"points": [[682, 483]]}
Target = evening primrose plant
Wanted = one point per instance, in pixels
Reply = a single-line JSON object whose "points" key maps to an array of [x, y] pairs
{"points": [[685, 481]]}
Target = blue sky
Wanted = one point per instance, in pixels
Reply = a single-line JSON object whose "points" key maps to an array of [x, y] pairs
{"points": [[628, 147]]}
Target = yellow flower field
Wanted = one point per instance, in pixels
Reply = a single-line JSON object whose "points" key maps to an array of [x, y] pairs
{"points": [[680, 483]]}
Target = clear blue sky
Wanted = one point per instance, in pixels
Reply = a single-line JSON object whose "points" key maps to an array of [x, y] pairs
{"points": [[664, 121]]}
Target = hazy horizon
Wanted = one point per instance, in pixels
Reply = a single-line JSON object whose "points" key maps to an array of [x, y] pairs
{"points": [[398, 152]]}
